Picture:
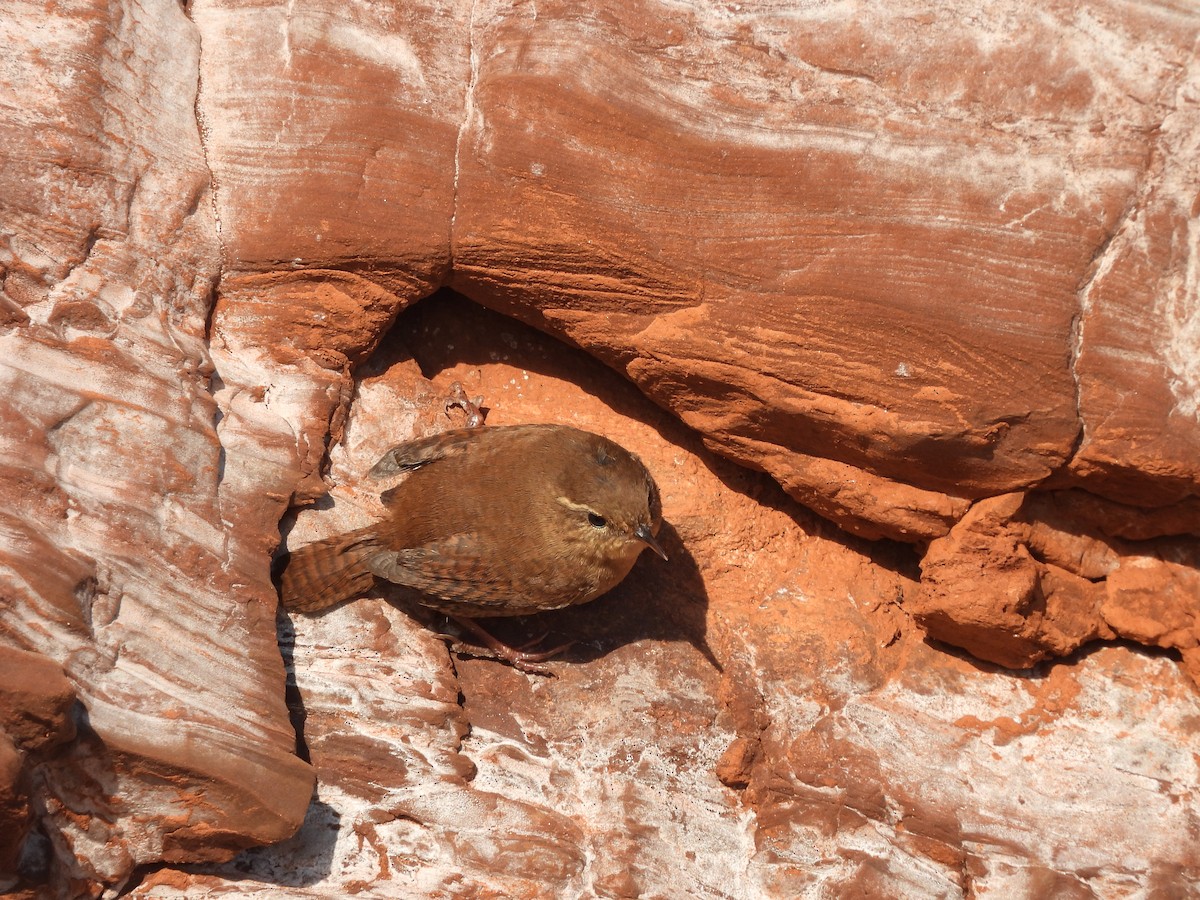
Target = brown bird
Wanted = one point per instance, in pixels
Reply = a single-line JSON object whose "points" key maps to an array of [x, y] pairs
{"points": [[492, 521]]}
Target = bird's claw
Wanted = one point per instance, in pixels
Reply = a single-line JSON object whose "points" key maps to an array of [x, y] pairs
{"points": [[519, 658]]}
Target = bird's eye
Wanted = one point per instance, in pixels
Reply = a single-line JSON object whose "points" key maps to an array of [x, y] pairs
{"points": [[597, 520]]}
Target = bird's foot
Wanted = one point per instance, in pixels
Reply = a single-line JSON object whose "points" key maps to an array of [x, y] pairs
{"points": [[472, 406], [519, 658]]}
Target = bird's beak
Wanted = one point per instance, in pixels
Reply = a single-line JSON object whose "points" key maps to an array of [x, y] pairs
{"points": [[646, 536]]}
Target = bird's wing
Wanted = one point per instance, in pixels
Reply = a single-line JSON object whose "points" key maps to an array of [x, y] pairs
{"points": [[452, 568], [414, 454]]}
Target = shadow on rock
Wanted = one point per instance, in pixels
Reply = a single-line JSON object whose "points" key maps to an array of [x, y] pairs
{"points": [[306, 858], [285, 633]]}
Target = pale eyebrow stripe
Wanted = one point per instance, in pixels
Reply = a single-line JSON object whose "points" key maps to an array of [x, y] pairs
{"points": [[581, 507]]}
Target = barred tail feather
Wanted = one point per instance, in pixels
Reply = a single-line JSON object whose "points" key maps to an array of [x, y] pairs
{"points": [[324, 573]]}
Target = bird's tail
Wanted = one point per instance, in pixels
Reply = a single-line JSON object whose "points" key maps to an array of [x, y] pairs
{"points": [[318, 575]]}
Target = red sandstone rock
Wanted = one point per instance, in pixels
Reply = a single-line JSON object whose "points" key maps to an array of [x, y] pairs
{"points": [[930, 270], [888, 322], [35, 701], [911, 340], [117, 559], [14, 812], [1017, 581], [1138, 360], [983, 588], [836, 751]]}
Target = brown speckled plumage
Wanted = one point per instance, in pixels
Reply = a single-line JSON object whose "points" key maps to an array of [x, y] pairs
{"points": [[492, 521]]}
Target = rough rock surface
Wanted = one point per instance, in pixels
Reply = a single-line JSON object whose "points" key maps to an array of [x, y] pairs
{"points": [[120, 562], [931, 269], [1054, 584], [834, 753], [905, 329], [36, 706]]}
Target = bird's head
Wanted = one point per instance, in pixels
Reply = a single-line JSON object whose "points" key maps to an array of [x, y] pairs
{"points": [[612, 503]]}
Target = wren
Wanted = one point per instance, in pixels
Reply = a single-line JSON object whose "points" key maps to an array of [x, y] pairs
{"points": [[492, 521]]}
